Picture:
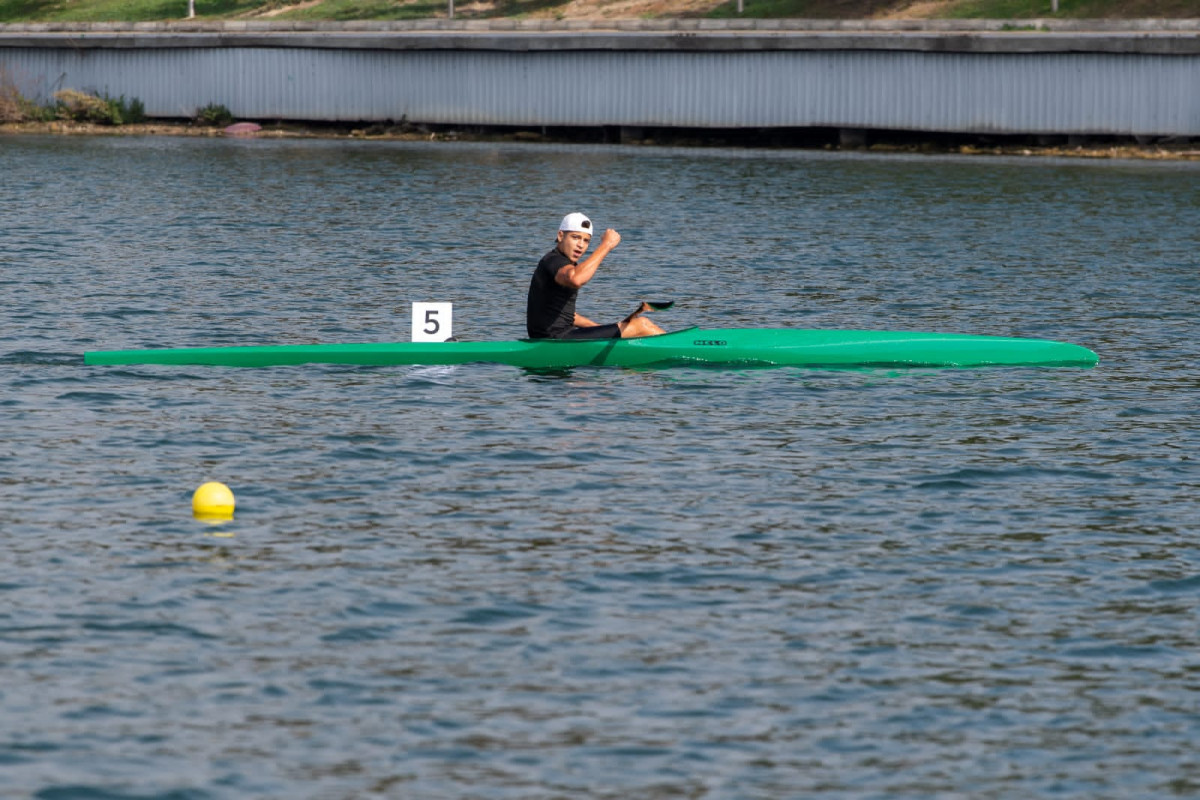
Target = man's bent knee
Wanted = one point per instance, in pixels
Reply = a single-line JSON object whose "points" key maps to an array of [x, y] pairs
{"points": [[639, 326]]}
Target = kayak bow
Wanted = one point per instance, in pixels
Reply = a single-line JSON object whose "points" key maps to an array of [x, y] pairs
{"points": [[730, 347]]}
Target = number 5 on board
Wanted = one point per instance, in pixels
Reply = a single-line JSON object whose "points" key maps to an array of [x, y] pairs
{"points": [[432, 322]]}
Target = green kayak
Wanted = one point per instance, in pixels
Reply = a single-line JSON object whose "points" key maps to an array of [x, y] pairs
{"points": [[728, 347]]}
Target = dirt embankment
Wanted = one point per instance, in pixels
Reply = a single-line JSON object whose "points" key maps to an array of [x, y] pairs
{"points": [[1157, 151]]}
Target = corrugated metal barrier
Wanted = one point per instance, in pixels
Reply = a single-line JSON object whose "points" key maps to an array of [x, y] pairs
{"points": [[676, 80]]}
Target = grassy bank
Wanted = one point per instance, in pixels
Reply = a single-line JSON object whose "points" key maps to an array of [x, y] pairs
{"points": [[158, 10], [963, 9], [71, 108], [68, 105]]}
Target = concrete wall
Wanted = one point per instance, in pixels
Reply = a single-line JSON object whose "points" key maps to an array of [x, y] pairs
{"points": [[678, 73]]}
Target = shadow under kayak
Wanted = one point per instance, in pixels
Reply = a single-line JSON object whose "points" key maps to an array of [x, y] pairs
{"points": [[730, 347]]}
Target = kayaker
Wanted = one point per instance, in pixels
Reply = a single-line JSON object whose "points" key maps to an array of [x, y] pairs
{"points": [[550, 312]]}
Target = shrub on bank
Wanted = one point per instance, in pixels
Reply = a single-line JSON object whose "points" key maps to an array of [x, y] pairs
{"points": [[13, 105], [68, 104], [10, 105], [214, 114], [84, 107]]}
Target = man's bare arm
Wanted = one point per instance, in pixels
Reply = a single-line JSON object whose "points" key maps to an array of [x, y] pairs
{"points": [[574, 276]]}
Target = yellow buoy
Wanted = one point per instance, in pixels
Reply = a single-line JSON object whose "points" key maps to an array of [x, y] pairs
{"points": [[213, 500]]}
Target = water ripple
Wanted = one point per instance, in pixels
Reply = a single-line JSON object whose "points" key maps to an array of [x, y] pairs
{"points": [[478, 581]]}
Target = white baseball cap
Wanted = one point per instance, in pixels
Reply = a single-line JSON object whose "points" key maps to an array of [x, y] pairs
{"points": [[576, 222]]}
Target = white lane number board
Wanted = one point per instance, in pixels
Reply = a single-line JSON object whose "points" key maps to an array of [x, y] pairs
{"points": [[432, 322]]}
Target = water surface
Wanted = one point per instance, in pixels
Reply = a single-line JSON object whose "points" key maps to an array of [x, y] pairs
{"points": [[479, 582]]}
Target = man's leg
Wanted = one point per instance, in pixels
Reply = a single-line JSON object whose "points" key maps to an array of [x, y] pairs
{"points": [[637, 327]]}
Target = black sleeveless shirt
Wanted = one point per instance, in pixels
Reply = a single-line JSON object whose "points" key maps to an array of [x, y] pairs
{"points": [[550, 309]]}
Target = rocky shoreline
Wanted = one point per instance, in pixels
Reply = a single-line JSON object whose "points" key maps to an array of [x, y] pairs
{"points": [[1185, 150]]}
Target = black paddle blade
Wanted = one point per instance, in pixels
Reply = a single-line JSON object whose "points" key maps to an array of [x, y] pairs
{"points": [[660, 306]]}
